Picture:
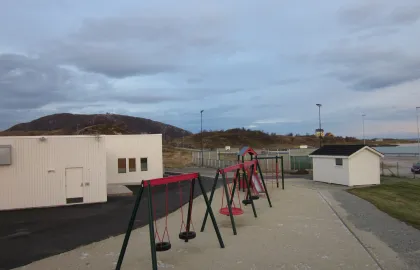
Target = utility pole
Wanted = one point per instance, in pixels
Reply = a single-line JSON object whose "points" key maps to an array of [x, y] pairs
{"points": [[418, 131], [363, 119], [202, 148], [319, 130]]}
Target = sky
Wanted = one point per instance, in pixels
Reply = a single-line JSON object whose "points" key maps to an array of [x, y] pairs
{"points": [[255, 64]]}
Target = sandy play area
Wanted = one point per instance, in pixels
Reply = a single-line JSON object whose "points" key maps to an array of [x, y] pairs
{"points": [[300, 231]]}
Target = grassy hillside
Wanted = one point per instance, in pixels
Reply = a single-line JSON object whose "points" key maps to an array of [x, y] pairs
{"points": [[70, 124], [258, 139]]}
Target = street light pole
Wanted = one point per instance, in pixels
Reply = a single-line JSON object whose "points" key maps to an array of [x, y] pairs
{"points": [[320, 130], [363, 119], [418, 131], [202, 148]]}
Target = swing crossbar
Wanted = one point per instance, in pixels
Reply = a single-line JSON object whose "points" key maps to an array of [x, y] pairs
{"points": [[170, 179], [231, 168], [235, 167]]}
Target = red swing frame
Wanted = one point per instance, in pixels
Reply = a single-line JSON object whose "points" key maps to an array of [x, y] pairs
{"points": [[146, 185]]}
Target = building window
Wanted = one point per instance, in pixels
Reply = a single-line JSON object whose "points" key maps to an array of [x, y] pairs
{"points": [[339, 161], [131, 164], [122, 165], [143, 163]]}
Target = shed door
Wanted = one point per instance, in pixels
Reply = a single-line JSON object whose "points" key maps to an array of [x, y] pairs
{"points": [[74, 185]]}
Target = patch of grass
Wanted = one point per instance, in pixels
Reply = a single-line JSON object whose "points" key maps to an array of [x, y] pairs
{"points": [[176, 158], [400, 198]]}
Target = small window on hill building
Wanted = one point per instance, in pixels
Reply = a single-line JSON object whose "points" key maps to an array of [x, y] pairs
{"points": [[339, 162], [131, 164], [122, 165], [143, 164]]}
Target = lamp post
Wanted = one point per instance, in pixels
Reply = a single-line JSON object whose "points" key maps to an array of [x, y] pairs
{"points": [[363, 120], [418, 131], [319, 130], [202, 149]]}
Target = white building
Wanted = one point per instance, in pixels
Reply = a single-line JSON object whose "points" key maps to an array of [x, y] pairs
{"points": [[133, 158], [52, 170], [43, 171], [349, 165]]}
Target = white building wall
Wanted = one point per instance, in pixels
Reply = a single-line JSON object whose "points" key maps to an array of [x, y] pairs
{"points": [[325, 170], [134, 146], [365, 168], [36, 177]]}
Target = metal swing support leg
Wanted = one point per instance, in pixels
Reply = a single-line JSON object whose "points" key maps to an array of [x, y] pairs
{"points": [[277, 171], [263, 182], [151, 228], [210, 211], [190, 204], [129, 228], [282, 173], [235, 183], [248, 186], [213, 189]]}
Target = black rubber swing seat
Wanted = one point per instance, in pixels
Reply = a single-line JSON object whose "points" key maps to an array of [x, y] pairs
{"points": [[163, 246], [187, 235], [246, 202], [255, 197]]}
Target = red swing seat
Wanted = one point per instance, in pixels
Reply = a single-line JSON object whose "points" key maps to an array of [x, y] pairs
{"points": [[235, 211]]}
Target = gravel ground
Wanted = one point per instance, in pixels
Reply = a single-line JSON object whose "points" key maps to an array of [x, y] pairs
{"points": [[400, 237]]}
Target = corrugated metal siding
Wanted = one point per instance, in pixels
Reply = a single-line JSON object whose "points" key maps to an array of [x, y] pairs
{"points": [[36, 177], [134, 146]]}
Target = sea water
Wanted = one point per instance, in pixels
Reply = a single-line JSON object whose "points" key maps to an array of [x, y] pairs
{"points": [[411, 148]]}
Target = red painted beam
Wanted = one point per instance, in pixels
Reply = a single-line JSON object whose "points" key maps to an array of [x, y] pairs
{"points": [[231, 168], [170, 179], [248, 164]]}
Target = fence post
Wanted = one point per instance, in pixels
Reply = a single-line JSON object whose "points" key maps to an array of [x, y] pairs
{"points": [[398, 170], [382, 168]]}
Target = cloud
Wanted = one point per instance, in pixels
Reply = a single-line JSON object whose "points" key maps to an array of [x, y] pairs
{"points": [[367, 68], [276, 121], [377, 14], [239, 61], [27, 83], [126, 46]]}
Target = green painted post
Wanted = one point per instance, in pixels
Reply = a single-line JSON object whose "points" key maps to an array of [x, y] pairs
{"points": [[282, 173], [213, 189], [130, 228], [263, 182], [232, 220], [248, 186], [277, 171], [151, 227], [234, 186], [210, 211], [243, 176], [190, 205]]}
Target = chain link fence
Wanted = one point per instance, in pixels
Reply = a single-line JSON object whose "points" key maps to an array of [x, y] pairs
{"points": [[397, 169]]}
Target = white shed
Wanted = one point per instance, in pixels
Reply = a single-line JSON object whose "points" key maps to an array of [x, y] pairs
{"points": [[133, 158], [42, 171], [349, 165]]}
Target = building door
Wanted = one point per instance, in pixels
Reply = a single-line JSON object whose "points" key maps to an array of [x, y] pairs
{"points": [[74, 185]]}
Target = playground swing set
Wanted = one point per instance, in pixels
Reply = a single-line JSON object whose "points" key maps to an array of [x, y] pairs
{"points": [[163, 241], [249, 180], [272, 165], [247, 175]]}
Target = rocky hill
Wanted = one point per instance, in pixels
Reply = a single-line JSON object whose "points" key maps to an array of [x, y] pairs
{"points": [[68, 124]]}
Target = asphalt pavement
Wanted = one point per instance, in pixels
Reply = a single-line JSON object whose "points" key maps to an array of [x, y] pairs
{"points": [[33, 234]]}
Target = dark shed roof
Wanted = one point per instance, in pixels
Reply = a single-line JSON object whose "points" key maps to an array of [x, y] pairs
{"points": [[337, 150]]}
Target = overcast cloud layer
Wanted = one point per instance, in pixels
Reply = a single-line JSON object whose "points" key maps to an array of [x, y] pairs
{"points": [[257, 64]]}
